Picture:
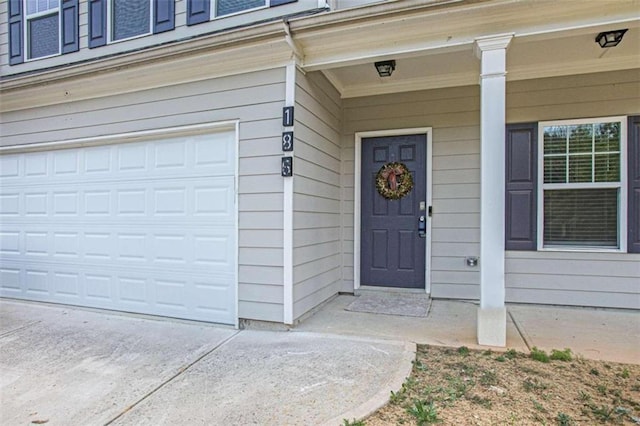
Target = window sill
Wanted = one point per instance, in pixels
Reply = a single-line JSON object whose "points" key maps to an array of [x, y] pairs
{"points": [[215, 18], [122, 40], [40, 58], [582, 250]]}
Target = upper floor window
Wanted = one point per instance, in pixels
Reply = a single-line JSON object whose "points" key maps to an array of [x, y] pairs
{"points": [[228, 7], [199, 11], [583, 195], [43, 28], [130, 18], [116, 20]]}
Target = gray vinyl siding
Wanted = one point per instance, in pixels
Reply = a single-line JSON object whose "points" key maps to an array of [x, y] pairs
{"points": [[256, 99], [317, 244], [182, 31], [574, 278], [454, 116]]}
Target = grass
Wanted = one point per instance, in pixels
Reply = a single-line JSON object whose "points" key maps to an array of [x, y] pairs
{"points": [[463, 386], [564, 355], [424, 412], [539, 355]]}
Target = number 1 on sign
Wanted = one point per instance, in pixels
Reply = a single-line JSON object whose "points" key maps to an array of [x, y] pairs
{"points": [[287, 116]]}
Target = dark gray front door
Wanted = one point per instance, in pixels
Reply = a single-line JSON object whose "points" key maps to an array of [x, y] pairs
{"points": [[392, 253]]}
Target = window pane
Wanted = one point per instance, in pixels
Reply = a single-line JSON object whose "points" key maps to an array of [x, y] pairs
{"points": [[32, 6], [581, 217], [555, 170], [607, 137], [555, 140], [581, 138], [226, 7], [43, 36], [43, 5], [607, 168], [580, 168], [130, 18]]}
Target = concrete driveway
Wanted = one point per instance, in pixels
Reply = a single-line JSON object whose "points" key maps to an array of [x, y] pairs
{"points": [[67, 366]]}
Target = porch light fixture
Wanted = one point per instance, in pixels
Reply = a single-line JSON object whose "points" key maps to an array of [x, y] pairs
{"points": [[385, 68], [610, 38]]}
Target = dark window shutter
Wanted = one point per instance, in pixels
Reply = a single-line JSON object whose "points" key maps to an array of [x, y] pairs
{"points": [[521, 186], [633, 150], [274, 3], [97, 23], [16, 40], [164, 12], [198, 11], [69, 33]]}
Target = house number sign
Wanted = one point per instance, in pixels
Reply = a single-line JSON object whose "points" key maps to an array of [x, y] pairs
{"points": [[287, 142], [287, 116], [287, 166]]}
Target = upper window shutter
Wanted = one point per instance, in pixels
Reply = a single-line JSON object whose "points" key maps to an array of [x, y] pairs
{"points": [[633, 148], [521, 186], [163, 15], [16, 41], [97, 23], [69, 33], [198, 11], [274, 3]]}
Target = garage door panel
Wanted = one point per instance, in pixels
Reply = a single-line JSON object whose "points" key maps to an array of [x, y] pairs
{"points": [[204, 155], [147, 227]]}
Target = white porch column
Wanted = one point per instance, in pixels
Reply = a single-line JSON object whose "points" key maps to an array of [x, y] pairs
{"points": [[492, 314]]}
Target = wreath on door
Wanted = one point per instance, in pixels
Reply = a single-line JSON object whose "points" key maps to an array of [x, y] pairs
{"points": [[394, 181]]}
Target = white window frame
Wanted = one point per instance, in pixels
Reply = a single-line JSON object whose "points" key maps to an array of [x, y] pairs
{"points": [[110, 39], [621, 185], [27, 38], [214, 7]]}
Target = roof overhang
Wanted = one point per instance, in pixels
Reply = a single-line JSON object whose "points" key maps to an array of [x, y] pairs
{"points": [[432, 42]]}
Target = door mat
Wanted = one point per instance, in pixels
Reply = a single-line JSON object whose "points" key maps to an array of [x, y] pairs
{"points": [[410, 304]]}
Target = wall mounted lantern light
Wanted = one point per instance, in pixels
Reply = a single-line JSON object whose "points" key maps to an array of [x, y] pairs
{"points": [[610, 38], [385, 68]]}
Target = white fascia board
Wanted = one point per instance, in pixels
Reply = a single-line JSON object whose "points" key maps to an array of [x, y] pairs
{"points": [[162, 72]]}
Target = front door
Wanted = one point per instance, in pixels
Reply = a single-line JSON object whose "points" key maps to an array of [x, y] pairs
{"points": [[392, 247]]}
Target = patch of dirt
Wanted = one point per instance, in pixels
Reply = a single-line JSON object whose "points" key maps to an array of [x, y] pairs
{"points": [[462, 386]]}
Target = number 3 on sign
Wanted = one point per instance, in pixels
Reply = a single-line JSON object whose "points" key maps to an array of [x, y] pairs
{"points": [[287, 141], [287, 116]]}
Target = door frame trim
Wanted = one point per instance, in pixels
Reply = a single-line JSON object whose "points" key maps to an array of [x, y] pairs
{"points": [[357, 208]]}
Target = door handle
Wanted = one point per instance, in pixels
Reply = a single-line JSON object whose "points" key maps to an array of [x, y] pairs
{"points": [[422, 227]]}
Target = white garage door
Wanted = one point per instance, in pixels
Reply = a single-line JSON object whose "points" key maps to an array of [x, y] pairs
{"points": [[146, 227]]}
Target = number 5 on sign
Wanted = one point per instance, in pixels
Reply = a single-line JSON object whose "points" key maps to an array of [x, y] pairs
{"points": [[287, 166], [287, 116]]}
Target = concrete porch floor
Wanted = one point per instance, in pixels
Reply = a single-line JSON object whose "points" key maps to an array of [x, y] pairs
{"points": [[603, 334]]}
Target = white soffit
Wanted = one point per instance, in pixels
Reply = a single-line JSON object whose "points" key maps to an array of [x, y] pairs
{"points": [[433, 48]]}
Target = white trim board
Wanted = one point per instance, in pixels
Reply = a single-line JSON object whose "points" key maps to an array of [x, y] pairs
{"points": [[287, 208], [357, 196]]}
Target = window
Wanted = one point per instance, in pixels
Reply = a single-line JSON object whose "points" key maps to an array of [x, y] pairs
{"points": [[116, 20], [582, 192], [42, 28], [228, 7], [130, 18], [199, 11]]}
